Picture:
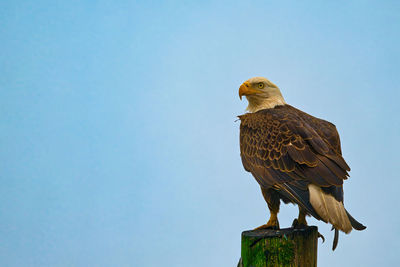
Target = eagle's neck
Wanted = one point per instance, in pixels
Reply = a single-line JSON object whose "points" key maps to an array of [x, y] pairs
{"points": [[257, 103]]}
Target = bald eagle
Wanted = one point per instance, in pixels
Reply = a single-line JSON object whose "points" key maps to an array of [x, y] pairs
{"points": [[294, 157]]}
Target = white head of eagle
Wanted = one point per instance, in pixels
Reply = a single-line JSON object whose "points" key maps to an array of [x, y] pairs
{"points": [[261, 93]]}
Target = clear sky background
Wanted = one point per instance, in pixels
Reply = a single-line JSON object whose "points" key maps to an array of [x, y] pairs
{"points": [[118, 139]]}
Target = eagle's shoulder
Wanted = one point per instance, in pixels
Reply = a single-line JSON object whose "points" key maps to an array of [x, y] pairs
{"points": [[310, 119], [325, 129]]}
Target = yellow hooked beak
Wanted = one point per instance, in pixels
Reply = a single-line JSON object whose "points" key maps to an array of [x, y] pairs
{"points": [[247, 89]]}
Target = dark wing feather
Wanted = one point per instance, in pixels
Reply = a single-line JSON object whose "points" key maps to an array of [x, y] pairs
{"points": [[286, 148]]}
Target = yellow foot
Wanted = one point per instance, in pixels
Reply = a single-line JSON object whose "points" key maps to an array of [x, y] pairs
{"points": [[274, 225]]}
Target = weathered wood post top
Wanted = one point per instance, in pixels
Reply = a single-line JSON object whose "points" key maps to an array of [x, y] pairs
{"points": [[280, 248]]}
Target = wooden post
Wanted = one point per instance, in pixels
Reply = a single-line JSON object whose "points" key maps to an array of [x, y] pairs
{"points": [[280, 248]]}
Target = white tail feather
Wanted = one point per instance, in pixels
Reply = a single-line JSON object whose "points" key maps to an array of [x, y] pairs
{"points": [[329, 208]]}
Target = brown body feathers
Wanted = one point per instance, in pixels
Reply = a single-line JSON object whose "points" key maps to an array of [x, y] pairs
{"points": [[288, 151]]}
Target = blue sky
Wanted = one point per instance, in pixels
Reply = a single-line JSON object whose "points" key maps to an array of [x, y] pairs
{"points": [[119, 145]]}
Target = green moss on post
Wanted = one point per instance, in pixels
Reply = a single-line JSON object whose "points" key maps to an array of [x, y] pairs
{"points": [[280, 248]]}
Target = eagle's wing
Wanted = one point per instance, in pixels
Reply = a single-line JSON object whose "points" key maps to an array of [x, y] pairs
{"points": [[287, 149]]}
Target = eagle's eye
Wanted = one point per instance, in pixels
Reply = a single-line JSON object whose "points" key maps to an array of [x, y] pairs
{"points": [[261, 85]]}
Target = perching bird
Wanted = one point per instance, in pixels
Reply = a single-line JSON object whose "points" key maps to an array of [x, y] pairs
{"points": [[295, 157]]}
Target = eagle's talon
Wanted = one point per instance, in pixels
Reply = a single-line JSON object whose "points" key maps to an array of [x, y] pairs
{"points": [[322, 237], [272, 224]]}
